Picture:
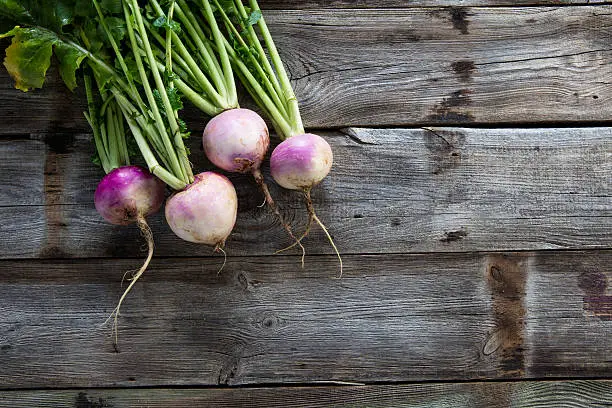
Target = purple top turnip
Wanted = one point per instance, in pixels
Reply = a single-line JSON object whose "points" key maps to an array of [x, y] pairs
{"points": [[237, 141], [127, 193], [301, 162]]}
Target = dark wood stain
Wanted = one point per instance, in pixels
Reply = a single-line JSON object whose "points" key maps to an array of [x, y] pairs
{"points": [[506, 277], [82, 400], [229, 371], [595, 301], [445, 111], [58, 146], [464, 69], [452, 236], [459, 17]]}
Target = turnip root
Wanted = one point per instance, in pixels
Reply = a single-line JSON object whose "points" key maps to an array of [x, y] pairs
{"points": [[125, 196]]}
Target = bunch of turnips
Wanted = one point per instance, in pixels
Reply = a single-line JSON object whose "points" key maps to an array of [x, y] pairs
{"points": [[139, 60]]}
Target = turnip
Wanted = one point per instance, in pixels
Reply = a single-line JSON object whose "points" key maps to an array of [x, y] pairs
{"points": [[128, 194], [235, 140], [302, 160], [205, 211], [204, 207], [136, 89], [125, 196]]}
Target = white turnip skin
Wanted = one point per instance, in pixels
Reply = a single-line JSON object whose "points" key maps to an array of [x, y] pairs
{"points": [[205, 211], [237, 141], [301, 162]]}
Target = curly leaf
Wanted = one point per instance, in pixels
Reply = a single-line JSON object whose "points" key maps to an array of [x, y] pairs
{"points": [[162, 22], [254, 17], [29, 56], [175, 98]]}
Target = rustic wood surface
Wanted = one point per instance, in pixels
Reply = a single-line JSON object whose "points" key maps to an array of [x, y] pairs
{"points": [[394, 190], [381, 67], [580, 394], [391, 318], [470, 196]]}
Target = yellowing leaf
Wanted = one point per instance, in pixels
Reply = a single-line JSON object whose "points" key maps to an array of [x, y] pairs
{"points": [[29, 56]]}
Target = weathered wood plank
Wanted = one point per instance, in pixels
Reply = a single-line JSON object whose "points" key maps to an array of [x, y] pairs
{"points": [[525, 394], [379, 67], [458, 5], [400, 190], [390, 318]]}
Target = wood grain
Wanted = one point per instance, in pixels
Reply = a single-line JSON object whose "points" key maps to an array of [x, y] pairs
{"points": [[381, 67], [553, 394], [398, 190], [352, 4], [391, 318]]}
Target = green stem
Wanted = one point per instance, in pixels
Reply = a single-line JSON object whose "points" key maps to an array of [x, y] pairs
{"points": [[225, 61], [175, 165], [92, 118], [123, 138], [198, 75], [270, 87], [181, 169], [193, 20], [124, 68], [187, 74], [147, 154], [209, 59], [266, 102], [113, 146], [296, 119], [262, 54]]}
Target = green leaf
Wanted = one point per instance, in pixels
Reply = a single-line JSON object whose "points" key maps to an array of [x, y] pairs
{"points": [[254, 17], [15, 11], [70, 60], [182, 126], [175, 98], [29, 56], [84, 8], [162, 22], [117, 28], [112, 6], [95, 37], [159, 101], [64, 12], [50, 14], [130, 63]]}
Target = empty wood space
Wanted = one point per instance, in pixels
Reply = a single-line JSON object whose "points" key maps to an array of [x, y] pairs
{"points": [[471, 198]]}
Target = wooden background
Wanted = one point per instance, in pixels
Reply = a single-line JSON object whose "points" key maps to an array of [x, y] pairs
{"points": [[470, 197]]}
